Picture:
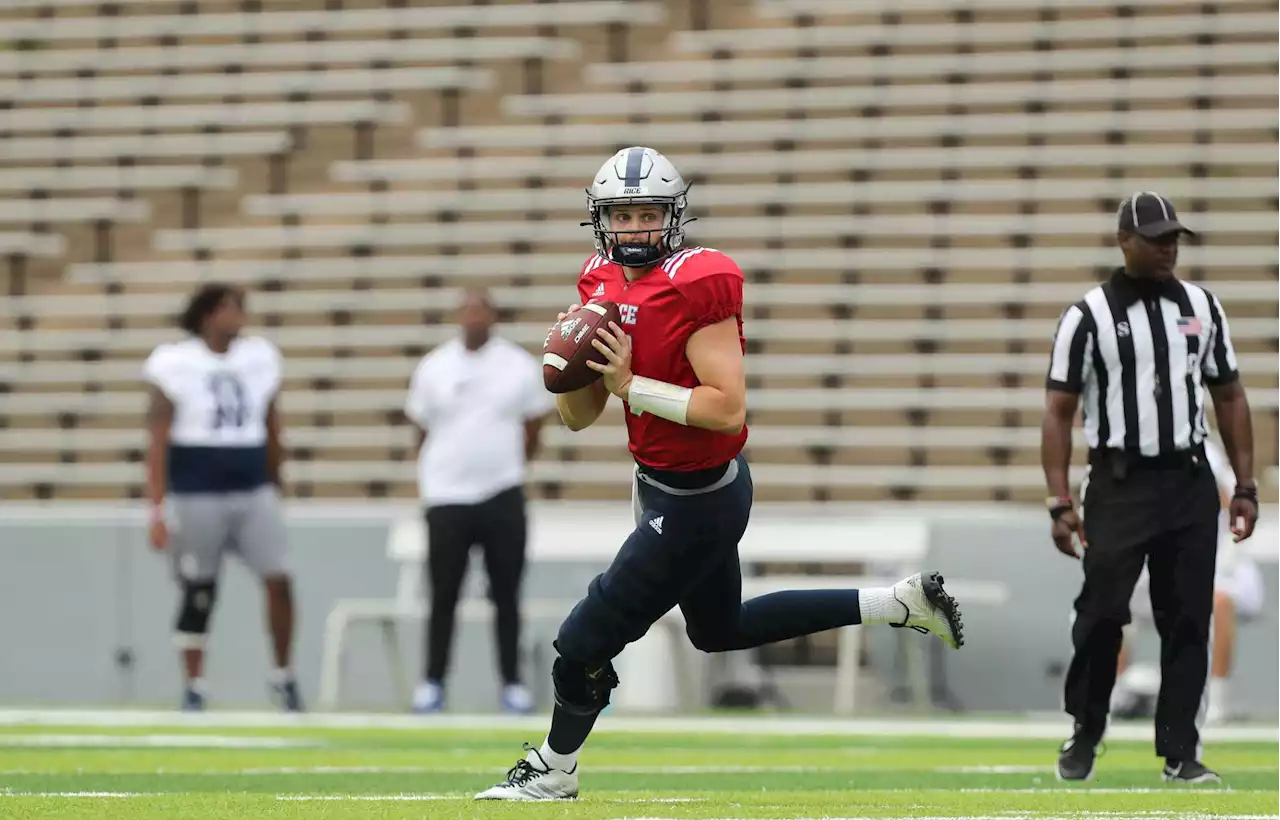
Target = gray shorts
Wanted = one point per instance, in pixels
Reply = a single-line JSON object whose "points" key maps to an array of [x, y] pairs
{"points": [[206, 526]]}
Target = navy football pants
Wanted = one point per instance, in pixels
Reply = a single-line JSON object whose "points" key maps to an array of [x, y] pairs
{"points": [[684, 552]]}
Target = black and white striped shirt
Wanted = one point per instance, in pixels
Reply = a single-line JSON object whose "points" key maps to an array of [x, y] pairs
{"points": [[1141, 358]]}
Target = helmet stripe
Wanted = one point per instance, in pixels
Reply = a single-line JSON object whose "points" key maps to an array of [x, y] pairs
{"points": [[635, 162]]}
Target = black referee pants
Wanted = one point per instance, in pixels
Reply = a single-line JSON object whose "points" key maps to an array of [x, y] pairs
{"points": [[1167, 517], [498, 526]]}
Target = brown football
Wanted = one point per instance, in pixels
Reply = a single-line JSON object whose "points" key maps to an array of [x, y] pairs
{"points": [[568, 348]]}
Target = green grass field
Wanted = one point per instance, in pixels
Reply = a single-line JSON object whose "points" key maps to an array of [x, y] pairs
{"points": [[287, 770]]}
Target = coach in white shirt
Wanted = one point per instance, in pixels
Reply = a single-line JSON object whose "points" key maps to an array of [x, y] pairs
{"points": [[478, 403]]}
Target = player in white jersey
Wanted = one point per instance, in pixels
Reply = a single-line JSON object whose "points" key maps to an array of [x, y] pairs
{"points": [[1238, 595], [213, 475]]}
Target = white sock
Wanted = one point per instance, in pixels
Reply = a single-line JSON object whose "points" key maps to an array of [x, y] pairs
{"points": [[196, 685], [563, 762], [281, 675], [878, 606], [1218, 695]]}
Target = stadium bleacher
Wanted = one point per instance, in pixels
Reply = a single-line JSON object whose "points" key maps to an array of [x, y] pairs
{"points": [[915, 189]]}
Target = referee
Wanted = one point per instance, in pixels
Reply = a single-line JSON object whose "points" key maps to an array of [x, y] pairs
{"points": [[1140, 349]]}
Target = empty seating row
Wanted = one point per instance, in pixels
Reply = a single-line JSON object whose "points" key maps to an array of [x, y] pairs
{"points": [[1056, 126], [774, 9], [216, 146], [612, 475], [711, 197], [219, 115], [565, 266], [392, 367], [327, 53], [809, 400], [1058, 62], [299, 23], [552, 297], [86, 209], [72, 6], [239, 85], [17, 243], [870, 331], [1041, 160], [764, 8], [387, 437], [1057, 32], [828, 227], [115, 177], [842, 98]]}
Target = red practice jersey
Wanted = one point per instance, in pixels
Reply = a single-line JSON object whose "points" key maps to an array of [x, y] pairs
{"points": [[691, 289]]}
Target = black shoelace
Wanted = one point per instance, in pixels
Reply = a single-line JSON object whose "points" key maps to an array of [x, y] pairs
{"points": [[906, 618], [523, 771]]}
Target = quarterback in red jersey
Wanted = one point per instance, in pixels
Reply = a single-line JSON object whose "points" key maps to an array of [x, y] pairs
{"points": [[676, 362], [689, 309]]}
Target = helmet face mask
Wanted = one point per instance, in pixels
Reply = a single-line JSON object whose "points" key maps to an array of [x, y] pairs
{"points": [[637, 176]]}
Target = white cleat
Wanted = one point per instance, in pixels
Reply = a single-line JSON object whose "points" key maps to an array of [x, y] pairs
{"points": [[534, 781], [929, 608]]}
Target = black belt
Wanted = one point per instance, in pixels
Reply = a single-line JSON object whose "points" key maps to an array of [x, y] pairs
{"points": [[686, 479], [1129, 460]]}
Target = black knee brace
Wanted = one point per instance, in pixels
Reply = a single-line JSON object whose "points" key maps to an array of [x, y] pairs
{"points": [[582, 690], [193, 616]]}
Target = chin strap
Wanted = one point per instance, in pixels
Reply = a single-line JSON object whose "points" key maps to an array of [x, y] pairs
{"points": [[636, 256]]}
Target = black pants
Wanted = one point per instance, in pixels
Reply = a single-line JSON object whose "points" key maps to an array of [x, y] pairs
{"points": [[1167, 517], [498, 526], [684, 552]]}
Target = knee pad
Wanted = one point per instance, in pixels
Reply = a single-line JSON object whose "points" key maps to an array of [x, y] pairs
{"points": [[580, 689], [193, 616]]}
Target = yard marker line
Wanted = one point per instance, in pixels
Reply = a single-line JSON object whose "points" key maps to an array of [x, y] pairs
{"points": [[993, 769], [368, 798], [1081, 815], [7, 793], [1001, 729], [194, 741], [490, 769]]}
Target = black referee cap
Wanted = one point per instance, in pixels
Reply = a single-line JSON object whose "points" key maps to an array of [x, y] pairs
{"points": [[1151, 215]]}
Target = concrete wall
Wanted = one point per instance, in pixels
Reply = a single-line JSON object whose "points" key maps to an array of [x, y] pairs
{"points": [[78, 585]]}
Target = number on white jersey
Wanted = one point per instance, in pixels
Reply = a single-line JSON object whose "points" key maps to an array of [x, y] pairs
{"points": [[230, 401]]}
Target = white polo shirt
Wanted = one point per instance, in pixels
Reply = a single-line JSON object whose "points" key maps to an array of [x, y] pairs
{"points": [[473, 405]]}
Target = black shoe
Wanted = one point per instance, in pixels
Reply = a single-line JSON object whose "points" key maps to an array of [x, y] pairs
{"points": [[286, 696], [1076, 758], [1189, 771], [192, 700]]}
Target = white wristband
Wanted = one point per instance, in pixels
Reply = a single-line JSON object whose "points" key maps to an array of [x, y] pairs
{"points": [[668, 401]]}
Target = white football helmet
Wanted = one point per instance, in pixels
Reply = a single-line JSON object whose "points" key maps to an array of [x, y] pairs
{"points": [[637, 176]]}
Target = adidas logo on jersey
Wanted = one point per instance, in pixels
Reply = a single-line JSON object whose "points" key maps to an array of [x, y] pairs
{"points": [[657, 525], [599, 291]]}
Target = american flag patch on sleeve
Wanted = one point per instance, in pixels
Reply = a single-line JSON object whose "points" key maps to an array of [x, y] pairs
{"points": [[1189, 325]]}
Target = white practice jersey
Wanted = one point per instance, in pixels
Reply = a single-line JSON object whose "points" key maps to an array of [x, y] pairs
{"points": [[218, 439], [219, 400], [474, 405]]}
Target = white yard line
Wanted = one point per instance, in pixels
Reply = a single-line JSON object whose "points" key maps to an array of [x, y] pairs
{"points": [[408, 798], [415, 798], [194, 741], [1079, 815], [765, 725], [368, 798], [274, 770], [993, 770], [486, 770], [95, 795]]}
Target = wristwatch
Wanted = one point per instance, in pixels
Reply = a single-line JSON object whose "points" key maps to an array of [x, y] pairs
{"points": [[1058, 504]]}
